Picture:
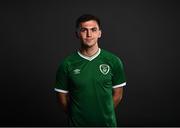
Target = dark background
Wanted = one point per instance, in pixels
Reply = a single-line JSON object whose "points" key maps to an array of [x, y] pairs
{"points": [[36, 35]]}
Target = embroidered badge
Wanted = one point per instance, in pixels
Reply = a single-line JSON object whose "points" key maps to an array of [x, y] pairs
{"points": [[104, 68]]}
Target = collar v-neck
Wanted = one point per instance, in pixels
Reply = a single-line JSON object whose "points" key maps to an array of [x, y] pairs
{"points": [[90, 58]]}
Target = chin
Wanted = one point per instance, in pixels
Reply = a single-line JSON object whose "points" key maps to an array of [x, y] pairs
{"points": [[87, 45]]}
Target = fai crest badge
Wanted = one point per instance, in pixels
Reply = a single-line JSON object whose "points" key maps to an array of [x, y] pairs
{"points": [[104, 68]]}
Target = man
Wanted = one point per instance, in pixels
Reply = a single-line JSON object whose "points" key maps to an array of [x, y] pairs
{"points": [[90, 81]]}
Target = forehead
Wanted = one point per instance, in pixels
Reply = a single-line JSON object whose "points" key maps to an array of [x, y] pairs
{"points": [[89, 24]]}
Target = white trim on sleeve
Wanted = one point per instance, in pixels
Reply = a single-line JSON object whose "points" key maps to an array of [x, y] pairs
{"points": [[120, 85], [60, 90]]}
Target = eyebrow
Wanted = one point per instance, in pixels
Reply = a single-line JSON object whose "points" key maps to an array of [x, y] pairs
{"points": [[88, 28]]}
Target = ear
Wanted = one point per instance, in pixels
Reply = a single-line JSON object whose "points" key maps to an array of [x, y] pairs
{"points": [[100, 32]]}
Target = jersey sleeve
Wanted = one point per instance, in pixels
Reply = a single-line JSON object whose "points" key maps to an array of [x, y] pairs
{"points": [[61, 84], [118, 78]]}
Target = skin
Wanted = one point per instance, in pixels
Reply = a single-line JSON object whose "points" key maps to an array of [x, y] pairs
{"points": [[88, 34], [117, 96], [63, 99]]}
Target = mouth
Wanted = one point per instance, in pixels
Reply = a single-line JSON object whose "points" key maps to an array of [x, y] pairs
{"points": [[88, 40]]}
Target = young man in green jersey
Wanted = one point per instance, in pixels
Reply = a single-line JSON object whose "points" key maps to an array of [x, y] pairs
{"points": [[89, 82]]}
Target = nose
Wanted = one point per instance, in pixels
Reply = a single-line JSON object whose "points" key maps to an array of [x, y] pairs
{"points": [[89, 34]]}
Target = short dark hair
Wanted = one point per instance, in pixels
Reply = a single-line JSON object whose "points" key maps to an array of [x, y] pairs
{"points": [[87, 17]]}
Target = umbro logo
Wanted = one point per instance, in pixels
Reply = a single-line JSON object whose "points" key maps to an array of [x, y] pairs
{"points": [[76, 71]]}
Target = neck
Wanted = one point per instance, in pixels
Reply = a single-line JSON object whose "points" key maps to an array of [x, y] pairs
{"points": [[89, 51]]}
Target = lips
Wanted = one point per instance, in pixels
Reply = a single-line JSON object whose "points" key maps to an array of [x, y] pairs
{"points": [[88, 40]]}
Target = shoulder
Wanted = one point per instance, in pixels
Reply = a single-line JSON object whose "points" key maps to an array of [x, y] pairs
{"points": [[68, 59], [110, 56]]}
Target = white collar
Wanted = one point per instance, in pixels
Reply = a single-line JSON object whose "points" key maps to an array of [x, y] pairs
{"points": [[90, 58]]}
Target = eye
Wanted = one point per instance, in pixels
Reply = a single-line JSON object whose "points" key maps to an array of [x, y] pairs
{"points": [[94, 29], [82, 30]]}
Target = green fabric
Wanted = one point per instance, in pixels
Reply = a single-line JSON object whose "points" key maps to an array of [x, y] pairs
{"points": [[90, 87]]}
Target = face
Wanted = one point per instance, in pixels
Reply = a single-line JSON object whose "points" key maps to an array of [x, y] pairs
{"points": [[89, 33]]}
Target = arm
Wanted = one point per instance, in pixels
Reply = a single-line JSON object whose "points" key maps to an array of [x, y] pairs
{"points": [[63, 99], [117, 95]]}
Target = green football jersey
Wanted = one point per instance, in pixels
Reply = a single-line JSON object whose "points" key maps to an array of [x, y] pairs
{"points": [[90, 82]]}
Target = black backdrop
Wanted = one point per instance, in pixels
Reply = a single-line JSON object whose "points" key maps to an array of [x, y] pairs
{"points": [[36, 35]]}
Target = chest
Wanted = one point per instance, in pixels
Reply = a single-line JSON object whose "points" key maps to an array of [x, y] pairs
{"points": [[83, 74]]}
